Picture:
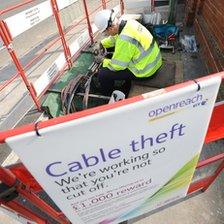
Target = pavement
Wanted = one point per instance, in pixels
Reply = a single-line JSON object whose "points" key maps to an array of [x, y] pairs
{"points": [[205, 208]]}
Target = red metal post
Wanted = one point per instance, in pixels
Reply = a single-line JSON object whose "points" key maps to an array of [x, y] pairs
{"points": [[204, 183], [198, 185], [88, 21], [210, 160], [25, 212], [104, 4], [213, 177], [5, 35], [43, 206], [122, 6], [15, 6], [6, 83], [216, 124], [7, 177], [67, 52]]}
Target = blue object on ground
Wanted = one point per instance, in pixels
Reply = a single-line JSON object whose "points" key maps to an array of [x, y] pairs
{"points": [[163, 31]]}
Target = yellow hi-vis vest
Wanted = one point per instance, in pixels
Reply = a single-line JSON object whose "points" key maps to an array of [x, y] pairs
{"points": [[135, 49]]}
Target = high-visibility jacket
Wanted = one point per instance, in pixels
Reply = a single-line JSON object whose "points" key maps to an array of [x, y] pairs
{"points": [[135, 49]]}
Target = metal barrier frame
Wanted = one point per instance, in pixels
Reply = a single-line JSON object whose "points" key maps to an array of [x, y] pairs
{"points": [[9, 179], [18, 178], [7, 40]]}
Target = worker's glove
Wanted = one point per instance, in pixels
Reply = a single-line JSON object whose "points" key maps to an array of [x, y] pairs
{"points": [[99, 59], [102, 49]]}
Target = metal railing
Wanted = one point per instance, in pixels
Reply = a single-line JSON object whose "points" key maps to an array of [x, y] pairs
{"points": [[7, 40]]}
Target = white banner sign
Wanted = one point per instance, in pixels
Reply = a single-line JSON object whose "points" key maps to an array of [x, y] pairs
{"points": [[45, 79], [124, 162], [26, 19]]}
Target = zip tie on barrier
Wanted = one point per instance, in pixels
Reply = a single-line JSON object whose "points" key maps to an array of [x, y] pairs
{"points": [[199, 87], [36, 129]]}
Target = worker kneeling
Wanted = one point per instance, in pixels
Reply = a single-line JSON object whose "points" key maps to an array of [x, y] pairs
{"points": [[136, 54]]}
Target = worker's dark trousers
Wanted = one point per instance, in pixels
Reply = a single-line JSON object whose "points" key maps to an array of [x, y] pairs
{"points": [[107, 78]]}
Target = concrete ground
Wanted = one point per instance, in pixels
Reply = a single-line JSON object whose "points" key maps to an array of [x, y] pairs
{"points": [[205, 208]]}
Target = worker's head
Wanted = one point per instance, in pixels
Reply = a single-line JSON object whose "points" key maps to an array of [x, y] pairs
{"points": [[105, 20]]}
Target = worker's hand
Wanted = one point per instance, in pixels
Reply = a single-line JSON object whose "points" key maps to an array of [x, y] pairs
{"points": [[99, 59], [102, 49]]}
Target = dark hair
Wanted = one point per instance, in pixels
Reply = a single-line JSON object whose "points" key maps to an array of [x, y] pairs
{"points": [[110, 21]]}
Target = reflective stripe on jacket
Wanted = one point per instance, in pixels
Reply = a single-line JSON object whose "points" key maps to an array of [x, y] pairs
{"points": [[135, 49]]}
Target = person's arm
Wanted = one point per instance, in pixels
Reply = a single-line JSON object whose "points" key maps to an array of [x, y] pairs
{"points": [[109, 41], [122, 56]]}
